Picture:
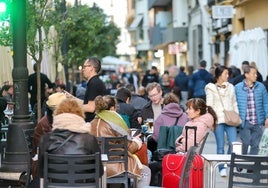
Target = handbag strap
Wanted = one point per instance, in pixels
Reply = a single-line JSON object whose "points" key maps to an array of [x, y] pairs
{"points": [[64, 142], [177, 119], [219, 96]]}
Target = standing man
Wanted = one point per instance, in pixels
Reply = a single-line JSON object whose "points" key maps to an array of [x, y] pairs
{"points": [[252, 100], [32, 87], [181, 81], [199, 80], [95, 86], [150, 76]]}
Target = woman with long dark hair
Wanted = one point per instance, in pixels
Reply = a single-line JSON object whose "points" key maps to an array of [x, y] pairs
{"points": [[220, 95]]}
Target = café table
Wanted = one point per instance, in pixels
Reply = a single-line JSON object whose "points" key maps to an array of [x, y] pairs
{"points": [[213, 161]]}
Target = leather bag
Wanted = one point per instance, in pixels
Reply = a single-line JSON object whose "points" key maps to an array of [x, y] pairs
{"points": [[232, 118]]}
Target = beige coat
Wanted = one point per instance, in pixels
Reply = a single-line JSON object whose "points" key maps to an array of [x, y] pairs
{"points": [[227, 96], [100, 128]]}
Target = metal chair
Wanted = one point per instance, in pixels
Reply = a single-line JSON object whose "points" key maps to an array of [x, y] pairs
{"points": [[202, 143], [117, 152], [25, 177], [71, 170], [254, 173], [187, 166]]}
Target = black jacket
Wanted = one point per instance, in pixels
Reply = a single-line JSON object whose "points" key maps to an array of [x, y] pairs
{"points": [[79, 143]]}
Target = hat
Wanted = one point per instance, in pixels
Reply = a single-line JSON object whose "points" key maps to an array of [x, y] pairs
{"points": [[55, 99]]}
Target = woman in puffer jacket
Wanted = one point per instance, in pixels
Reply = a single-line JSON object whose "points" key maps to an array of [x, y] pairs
{"points": [[201, 116]]}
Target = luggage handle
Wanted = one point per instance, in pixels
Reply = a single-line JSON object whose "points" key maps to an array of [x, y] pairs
{"points": [[186, 129]]}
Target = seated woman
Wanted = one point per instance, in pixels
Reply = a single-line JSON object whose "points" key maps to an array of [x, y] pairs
{"points": [[172, 114], [68, 123], [201, 116], [108, 123]]}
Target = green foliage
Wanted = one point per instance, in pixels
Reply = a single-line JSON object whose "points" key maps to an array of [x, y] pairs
{"points": [[84, 29], [37, 22], [5, 30], [87, 33]]}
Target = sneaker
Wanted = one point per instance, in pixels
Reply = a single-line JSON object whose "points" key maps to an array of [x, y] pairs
{"points": [[223, 172]]}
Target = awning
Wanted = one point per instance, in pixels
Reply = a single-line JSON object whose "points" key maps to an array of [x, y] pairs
{"points": [[136, 22]]}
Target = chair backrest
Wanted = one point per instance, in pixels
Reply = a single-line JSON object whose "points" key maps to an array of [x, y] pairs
{"points": [[186, 170], [71, 170], [28, 137], [101, 144], [25, 177], [254, 173], [117, 152], [202, 143]]}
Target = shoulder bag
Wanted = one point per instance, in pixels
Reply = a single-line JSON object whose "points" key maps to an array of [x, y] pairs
{"points": [[231, 117]]}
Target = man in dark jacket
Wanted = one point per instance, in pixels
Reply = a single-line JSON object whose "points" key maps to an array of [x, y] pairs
{"points": [[199, 80], [181, 81], [32, 86], [126, 110], [150, 76]]}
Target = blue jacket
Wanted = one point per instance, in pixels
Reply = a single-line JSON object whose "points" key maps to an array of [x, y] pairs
{"points": [[181, 80], [198, 82], [261, 101]]}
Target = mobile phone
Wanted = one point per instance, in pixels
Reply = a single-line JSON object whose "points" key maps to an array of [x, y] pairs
{"points": [[138, 131]]}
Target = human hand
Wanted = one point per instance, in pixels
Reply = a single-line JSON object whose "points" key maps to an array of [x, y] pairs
{"points": [[67, 94]]}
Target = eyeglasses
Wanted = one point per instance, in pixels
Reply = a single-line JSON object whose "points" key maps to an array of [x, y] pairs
{"points": [[153, 95], [84, 66]]}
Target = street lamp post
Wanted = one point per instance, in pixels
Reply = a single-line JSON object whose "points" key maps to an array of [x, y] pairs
{"points": [[16, 156]]}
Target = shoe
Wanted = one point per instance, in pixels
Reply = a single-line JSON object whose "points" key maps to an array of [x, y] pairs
{"points": [[223, 172]]}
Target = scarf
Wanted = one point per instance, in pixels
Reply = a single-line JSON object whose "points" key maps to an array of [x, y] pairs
{"points": [[115, 121], [71, 122]]}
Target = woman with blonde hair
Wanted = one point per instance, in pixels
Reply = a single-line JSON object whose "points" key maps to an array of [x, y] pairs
{"points": [[68, 124]]}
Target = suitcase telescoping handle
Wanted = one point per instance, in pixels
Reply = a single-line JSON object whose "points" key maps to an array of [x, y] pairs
{"points": [[187, 129]]}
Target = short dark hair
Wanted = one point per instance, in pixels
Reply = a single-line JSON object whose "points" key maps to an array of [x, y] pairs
{"points": [[122, 94], [131, 87], [245, 63], [154, 68], [203, 63]]}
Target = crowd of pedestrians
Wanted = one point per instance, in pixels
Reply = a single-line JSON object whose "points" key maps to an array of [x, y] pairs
{"points": [[188, 98]]}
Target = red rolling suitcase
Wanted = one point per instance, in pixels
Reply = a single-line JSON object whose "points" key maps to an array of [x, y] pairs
{"points": [[172, 165]]}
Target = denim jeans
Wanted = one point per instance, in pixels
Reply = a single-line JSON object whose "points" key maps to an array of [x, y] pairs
{"points": [[219, 135], [251, 136]]}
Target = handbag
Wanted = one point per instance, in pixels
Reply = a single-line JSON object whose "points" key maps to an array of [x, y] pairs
{"points": [[231, 117], [143, 154]]}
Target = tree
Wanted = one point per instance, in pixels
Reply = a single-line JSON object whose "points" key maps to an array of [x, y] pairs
{"points": [[87, 33], [5, 33], [36, 13], [84, 29]]}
